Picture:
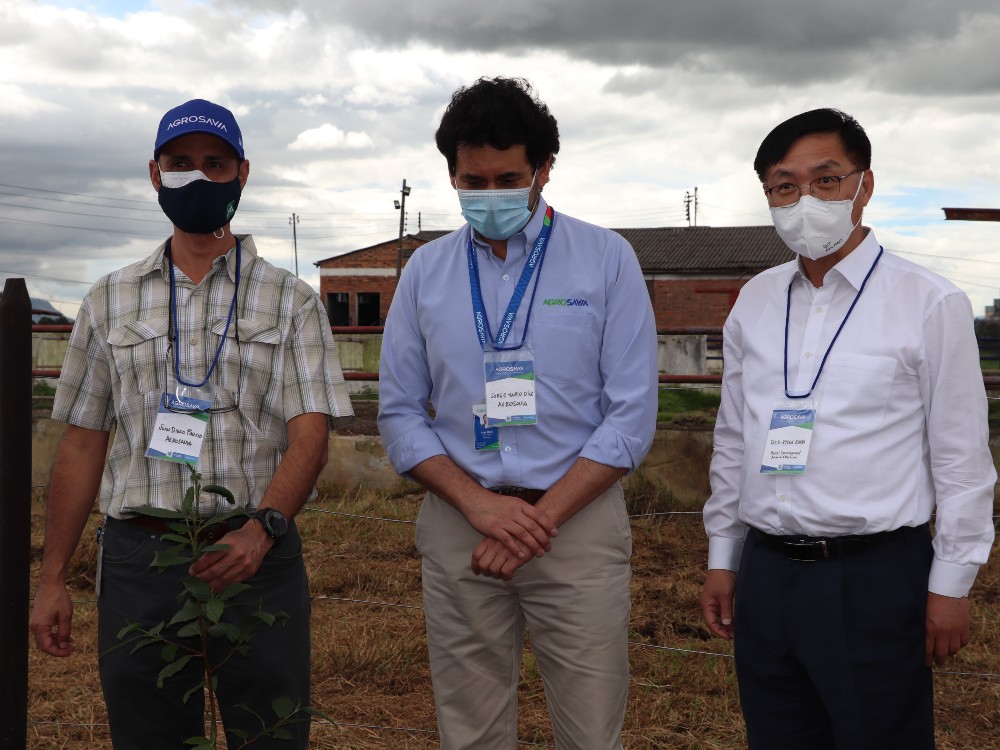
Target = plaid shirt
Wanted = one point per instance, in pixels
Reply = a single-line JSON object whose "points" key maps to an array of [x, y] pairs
{"points": [[116, 366]]}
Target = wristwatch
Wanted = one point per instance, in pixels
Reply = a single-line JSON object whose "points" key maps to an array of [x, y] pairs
{"points": [[273, 522]]}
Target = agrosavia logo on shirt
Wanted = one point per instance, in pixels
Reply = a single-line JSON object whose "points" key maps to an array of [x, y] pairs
{"points": [[566, 302]]}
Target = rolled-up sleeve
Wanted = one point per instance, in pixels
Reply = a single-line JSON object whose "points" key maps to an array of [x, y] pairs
{"points": [[84, 396], [405, 381], [629, 366], [313, 379]]}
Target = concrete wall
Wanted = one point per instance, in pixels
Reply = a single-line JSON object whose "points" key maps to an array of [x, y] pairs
{"points": [[677, 462]]}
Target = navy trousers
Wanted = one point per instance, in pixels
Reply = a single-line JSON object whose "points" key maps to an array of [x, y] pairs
{"points": [[830, 654], [145, 717]]}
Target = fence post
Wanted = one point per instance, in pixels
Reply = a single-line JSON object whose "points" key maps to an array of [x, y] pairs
{"points": [[15, 510]]}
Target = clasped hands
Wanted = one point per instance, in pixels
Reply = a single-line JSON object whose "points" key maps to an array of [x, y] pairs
{"points": [[515, 532]]}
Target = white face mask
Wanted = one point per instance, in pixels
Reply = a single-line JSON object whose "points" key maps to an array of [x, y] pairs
{"points": [[180, 179], [814, 228]]}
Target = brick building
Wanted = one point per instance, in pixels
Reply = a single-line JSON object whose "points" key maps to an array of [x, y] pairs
{"points": [[693, 274], [357, 287]]}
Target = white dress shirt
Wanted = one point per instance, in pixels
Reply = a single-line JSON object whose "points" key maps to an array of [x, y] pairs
{"points": [[901, 416]]}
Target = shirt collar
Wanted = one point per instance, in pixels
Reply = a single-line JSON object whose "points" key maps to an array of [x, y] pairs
{"points": [[856, 265], [155, 262]]}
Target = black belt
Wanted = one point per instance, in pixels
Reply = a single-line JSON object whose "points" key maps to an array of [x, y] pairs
{"points": [[815, 548], [528, 495]]}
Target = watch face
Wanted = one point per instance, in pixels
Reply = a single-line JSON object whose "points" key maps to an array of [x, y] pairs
{"points": [[275, 523]]}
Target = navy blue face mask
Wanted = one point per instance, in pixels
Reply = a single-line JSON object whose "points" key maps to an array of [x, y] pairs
{"points": [[195, 204]]}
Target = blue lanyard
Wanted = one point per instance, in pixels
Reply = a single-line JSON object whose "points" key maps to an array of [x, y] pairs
{"points": [[479, 315], [174, 337], [788, 310]]}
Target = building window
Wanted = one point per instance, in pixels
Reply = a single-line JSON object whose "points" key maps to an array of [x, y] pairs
{"points": [[338, 308], [369, 309]]}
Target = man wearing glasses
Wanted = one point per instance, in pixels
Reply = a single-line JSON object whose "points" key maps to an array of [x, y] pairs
{"points": [[204, 355], [852, 409], [541, 324]]}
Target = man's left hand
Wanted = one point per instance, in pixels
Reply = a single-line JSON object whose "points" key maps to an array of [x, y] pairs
{"points": [[247, 547], [492, 558], [947, 627]]}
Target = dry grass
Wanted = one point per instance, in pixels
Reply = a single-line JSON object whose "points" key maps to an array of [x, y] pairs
{"points": [[370, 668]]}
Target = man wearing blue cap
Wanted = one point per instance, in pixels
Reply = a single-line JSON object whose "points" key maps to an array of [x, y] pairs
{"points": [[207, 340]]}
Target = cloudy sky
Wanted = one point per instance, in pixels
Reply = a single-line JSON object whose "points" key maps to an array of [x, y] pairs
{"points": [[339, 99]]}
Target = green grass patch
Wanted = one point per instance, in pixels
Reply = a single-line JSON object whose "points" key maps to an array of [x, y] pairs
{"points": [[688, 403]]}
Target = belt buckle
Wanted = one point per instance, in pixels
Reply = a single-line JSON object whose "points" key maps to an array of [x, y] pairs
{"points": [[818, 545]]}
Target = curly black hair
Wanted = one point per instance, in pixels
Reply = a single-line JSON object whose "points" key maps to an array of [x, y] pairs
{"points": [[498, 112]]}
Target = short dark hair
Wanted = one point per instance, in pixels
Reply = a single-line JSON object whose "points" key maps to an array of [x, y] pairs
{"points": [[778, 142], [498, 112]]}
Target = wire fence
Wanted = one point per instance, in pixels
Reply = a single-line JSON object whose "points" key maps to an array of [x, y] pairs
{"points": [[388, 729]]}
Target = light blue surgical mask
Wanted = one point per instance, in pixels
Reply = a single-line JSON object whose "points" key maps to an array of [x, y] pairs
{"points": [[497, 214]]}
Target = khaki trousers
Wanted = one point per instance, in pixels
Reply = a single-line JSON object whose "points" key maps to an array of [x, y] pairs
{"points": [[575, 603]]}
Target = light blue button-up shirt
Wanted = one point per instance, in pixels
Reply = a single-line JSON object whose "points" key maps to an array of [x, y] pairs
{"points": [[591, 332]]}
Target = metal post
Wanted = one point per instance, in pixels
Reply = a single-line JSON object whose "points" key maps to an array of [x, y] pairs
{"points": [[402, 217], [15, 510], [295, 241]]}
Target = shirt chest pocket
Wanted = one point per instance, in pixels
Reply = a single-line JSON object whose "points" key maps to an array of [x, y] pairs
{"points": [[857, 390], [139, 349], [260, 350], [565, 347]]}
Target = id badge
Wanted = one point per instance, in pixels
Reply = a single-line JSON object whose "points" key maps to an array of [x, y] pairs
{"points": [[486, 438], [510, 388], [178, 437], [786, 449]]}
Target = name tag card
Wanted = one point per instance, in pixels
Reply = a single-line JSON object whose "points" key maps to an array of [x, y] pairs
{"points": [[510, 388], [786, 448], [486, 438], [178, 437]]}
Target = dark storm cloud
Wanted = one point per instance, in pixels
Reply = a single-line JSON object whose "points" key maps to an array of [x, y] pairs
{"points": [[922, 44]]}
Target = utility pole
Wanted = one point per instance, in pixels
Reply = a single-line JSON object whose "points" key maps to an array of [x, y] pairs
{"points": [[293, 220], [401, 206], [688, 200]]}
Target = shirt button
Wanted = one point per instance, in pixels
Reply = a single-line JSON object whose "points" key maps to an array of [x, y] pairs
{"points": [[506, 449], [819, 309], [506, 277], [194, 342], [782, 498], [808, 355]]}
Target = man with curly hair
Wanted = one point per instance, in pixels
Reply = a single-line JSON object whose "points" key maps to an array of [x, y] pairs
{"points": [[541, 324]]}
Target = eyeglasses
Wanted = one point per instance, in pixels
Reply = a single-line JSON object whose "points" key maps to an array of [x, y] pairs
{"points": [[208, 398], [825, 188]]}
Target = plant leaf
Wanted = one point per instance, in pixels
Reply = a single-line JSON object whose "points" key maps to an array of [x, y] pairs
{"points": [[217, 489], [188, 612], [171, 669], [214, 608], [197, 588], [283, 706], [233, 589], [192, 691], [149, 510], [190, 630]]}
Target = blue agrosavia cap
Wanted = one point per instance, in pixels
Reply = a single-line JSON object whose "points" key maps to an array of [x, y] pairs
{"points": [[199, 116]]}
